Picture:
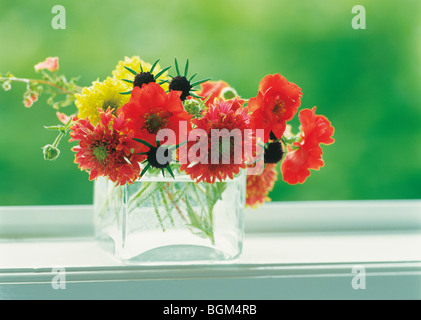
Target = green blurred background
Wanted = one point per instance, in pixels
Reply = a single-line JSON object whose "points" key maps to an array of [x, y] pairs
{"points": [[367, 82]]}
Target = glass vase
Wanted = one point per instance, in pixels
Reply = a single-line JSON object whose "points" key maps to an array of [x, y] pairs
{"points": [[162, 219]]}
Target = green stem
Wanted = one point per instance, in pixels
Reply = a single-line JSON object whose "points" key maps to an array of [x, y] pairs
{"points": [[167, 207], [62, 133], [291, 140], [199, 200], [157, 212], [40, 81], [175, 205]]}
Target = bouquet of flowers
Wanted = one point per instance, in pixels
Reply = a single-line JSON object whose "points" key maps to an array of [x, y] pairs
{"points": [[144, 119]]}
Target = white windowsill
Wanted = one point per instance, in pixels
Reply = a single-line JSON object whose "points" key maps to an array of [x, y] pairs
{"points": [[291, 250]]}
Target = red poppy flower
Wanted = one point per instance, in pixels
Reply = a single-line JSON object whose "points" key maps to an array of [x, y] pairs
{"points": [[297, 164], [276, 103], [212, 88], [151, 109], [316, 129], [210, 165], [259, 186], [106, 150]]}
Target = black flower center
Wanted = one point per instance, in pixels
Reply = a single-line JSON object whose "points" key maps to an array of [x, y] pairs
{"points": [[273, 152], [181, 83], [143, 78], [272, 136], [159, 157]]}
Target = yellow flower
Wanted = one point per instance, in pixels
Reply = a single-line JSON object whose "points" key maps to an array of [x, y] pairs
{"points": [[135, 63], [101, 95]]}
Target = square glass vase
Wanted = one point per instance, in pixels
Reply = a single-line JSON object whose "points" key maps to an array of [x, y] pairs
{"points": [[161, 219]]}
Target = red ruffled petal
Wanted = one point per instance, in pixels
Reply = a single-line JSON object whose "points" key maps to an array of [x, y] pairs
{"points": [[212, 88], [276, 103], [316, 130]]}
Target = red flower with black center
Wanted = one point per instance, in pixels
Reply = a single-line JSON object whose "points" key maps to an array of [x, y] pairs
{"points": [[276, 103], [218, 159], [259, 186], [316, 130], [107, 149], [151, 109]]}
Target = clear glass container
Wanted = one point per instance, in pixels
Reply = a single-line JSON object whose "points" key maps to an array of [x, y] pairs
{"points": [[161, 219]]}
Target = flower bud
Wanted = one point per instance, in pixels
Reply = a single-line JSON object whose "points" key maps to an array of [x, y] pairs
{"points": [[273, 152], [228, 93], [51, 64], [27, 103], [50, 152], [192, 107], [29, 98], [7, 86]]}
